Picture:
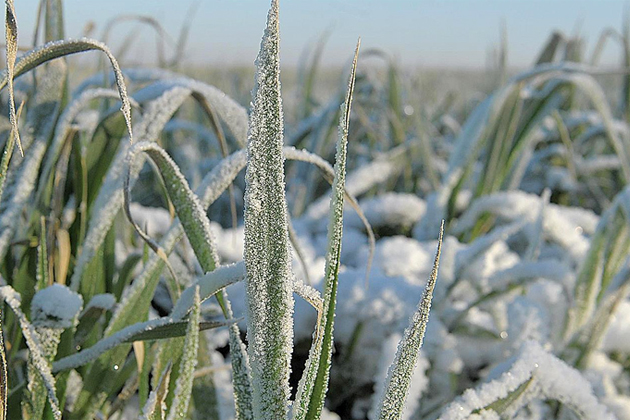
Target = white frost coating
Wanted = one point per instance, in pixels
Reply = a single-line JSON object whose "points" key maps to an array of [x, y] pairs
{"points": [[481, 245], [551, 379], [208, 285], [55, 307], [399, 376], [389, 209], [104, 301], [267, 249], [33, 340]]}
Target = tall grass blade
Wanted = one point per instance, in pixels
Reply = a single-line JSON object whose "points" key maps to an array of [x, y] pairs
{"points": [[314, 383], [396, 387], [267, 249]]}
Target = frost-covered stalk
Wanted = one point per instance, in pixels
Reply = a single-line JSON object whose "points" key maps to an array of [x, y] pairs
{"points": [[267, 254], [394, 394], [314, 383], [53, 309]]}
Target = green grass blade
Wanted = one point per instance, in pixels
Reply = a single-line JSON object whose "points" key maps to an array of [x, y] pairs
{"points": [[267, 249], [183, 388], [12, 47], [314, 383], [33, 340], [153, 408], [394, 394]]}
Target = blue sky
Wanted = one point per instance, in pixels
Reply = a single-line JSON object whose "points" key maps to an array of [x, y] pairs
{"points": [[431, 33]]}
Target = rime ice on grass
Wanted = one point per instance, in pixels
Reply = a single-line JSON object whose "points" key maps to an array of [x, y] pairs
{"points": [[267, 252]]}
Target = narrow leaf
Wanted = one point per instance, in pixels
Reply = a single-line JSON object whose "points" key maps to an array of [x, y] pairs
{"points": [[394, 394], [314, 382], [267, 249], [183, 388], [12, 48]]}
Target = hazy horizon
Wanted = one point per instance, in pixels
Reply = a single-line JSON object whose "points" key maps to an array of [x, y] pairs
{"points": [[436, 34]]}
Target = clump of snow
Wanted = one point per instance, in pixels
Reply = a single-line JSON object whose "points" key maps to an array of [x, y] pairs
{"points": [[55, 307], [389, 209], [104, 301], [550, 378], [154, 220], [618, 332], [401, 256]]}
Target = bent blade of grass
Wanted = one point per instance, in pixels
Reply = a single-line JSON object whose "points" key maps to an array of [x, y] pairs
{"points": [[33, 340], [164, 327], [111, 195], [196, 225], [392, 401], [189, 210], [183, 387], [57, 49], [12, 47], [314, 383], [267, 250], [535, 374]]}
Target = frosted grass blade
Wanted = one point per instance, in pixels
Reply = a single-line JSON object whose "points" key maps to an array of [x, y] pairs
{"points": [[535, 374], [196, 225], [12, 47], [392, 401], [183, 387], [57, 49], [154, 407], [314, 383], [12, 298], [267, 250]]}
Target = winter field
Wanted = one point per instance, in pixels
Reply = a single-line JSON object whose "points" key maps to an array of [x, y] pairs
{"points": [[372, 243]]}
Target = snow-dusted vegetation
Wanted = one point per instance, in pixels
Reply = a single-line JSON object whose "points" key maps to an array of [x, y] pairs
{"points": [[167, 253]]}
